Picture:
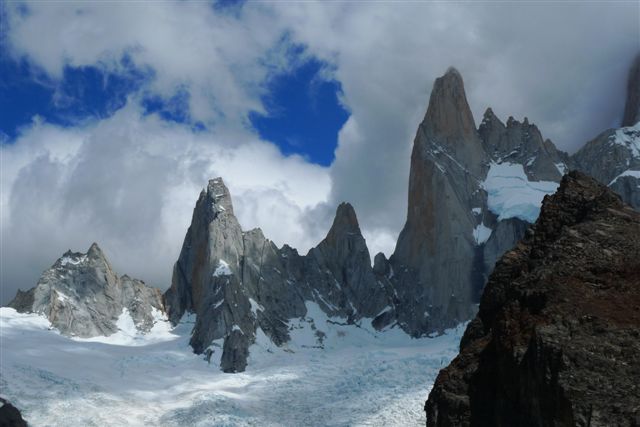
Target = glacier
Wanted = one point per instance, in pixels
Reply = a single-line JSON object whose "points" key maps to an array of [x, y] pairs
{"points": [[512, 195], [356, 376]]}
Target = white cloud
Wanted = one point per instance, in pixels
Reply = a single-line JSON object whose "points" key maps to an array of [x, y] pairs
{"points": [[220, 60], [562, 65], [130, 183]]}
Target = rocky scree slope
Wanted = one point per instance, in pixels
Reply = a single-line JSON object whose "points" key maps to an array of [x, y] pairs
{"points": [[82, 296], [556, 341]]}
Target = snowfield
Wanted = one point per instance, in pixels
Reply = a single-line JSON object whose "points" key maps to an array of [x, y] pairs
{"points": [[512, 195], [358, 378]]}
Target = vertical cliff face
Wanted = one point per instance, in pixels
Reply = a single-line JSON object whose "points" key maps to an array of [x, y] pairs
{"points": [[555, 341], [214, 239], [432, 262], [472, 194], [82, 296]]}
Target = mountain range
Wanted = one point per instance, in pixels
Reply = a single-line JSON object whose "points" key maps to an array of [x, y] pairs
{"points": [[473, 193]]}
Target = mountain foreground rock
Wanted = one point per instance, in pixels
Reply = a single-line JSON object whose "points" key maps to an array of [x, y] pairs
{"points": [[556, 341], [10, 416], [82, 296]]}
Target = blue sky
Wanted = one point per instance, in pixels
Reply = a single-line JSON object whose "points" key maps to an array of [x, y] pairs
{"points": [[303, 113]]}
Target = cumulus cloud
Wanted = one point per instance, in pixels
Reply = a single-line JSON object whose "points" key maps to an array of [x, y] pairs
{"points": [[561, 65], [130, 181]]}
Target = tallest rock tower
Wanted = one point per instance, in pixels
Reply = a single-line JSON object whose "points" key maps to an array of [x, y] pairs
{"points": [[435, 257]]}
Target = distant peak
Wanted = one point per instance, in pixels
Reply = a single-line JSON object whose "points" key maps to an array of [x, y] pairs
{"points": [[488, 113], [489, 118], [95, 251], [345, 221], [219, 194], [448, 113], [454, 72]]}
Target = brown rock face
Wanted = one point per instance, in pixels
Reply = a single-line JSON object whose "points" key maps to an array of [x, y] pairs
{"points": [[632, 107], [556, 341], [433, 260]]}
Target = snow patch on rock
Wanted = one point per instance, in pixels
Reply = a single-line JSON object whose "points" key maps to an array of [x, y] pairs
{"points": [[635, 174], [481, 233], [512, 195], [628, 137], [223, 269]]}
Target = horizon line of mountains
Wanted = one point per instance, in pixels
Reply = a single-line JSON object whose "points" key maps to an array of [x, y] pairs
{"points": [[473, 193]]}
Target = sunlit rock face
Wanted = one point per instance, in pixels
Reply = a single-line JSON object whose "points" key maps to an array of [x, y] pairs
{"points": [[82, 296]]}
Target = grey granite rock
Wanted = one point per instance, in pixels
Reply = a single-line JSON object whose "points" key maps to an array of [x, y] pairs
{"points": [[434, 256], [82, 296], [522, 142], [613, 158], [236, 282]]}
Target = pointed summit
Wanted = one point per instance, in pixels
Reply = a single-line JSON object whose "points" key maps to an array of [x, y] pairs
{"points": [[632, 107], [449, 114], [219, 194], [82, 296], [345, 222], [95, 252]]}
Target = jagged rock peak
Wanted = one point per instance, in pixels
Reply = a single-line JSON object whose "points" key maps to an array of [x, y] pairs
{"points": [[82, 296], [95, 252], [448, 114], [220, 196], [345, 221], [555, 341], [632, 106]]}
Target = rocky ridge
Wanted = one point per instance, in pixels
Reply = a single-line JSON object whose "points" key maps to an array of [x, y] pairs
{"points": [[82, 296], [555, 341], [238, 283]]}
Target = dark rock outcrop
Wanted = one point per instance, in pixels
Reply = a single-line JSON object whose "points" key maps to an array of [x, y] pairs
{"points": [[556, 341], [82, 296], [10, 416]]}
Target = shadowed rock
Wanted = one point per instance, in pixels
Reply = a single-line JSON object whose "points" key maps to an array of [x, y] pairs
{"points": [[10, 416], [556, 339], [236, 282], [632, 106]]}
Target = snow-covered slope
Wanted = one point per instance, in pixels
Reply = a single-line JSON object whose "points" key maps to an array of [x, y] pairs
{"points": [[359, 377], [510, 194]]}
